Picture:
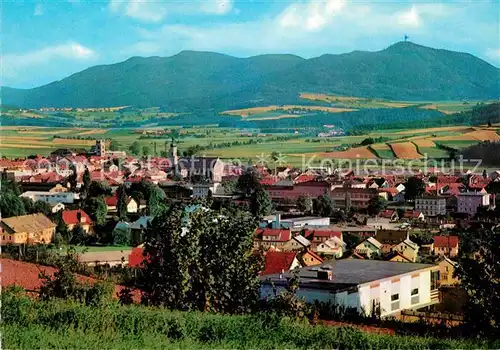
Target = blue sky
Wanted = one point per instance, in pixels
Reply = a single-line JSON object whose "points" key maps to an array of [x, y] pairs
{"points": [[47, 40]]}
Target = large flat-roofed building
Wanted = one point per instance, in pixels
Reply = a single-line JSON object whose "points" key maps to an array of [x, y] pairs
{"points": [[362, 284], [470, 202]]}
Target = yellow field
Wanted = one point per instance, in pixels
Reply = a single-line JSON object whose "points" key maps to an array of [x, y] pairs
{"points": [[330, 98], [381, 146], [431, 130], [13, 145], [257, 110], [484, 135], [74, 142], [93, 132], [433, 106], [424, 143], [20, 139], [281, 116], [405, 150]]}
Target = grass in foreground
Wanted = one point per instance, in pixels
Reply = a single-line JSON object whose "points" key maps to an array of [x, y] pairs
{"points": [[28, 323]]}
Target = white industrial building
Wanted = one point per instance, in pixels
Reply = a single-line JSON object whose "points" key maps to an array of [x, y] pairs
{"points": [[360, 284]]}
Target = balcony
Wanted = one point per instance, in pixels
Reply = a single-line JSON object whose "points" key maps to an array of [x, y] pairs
{"points": [[435, 296]]}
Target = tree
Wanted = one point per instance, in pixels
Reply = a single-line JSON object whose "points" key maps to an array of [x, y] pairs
{"points": [[156, 199], [324, 205], [73, 178], [145, 151], [414, 187], [122, 236], [261, 204], [485, 174], [99, 188], [121, 206], [478, 270], [11, 204], [248, 182], [433, 178], [97, 209], [305, 203], [376, 205], [135, 148], [275, 156], [114, 145], [78, 235], [86, 181], [185, 269]]}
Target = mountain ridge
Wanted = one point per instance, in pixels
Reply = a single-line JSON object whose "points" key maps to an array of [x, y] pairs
{"points": [[198, 80]]}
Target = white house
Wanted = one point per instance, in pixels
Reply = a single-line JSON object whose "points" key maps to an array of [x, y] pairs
{"points": [[362, 284], [57, 207], [52, 198]]}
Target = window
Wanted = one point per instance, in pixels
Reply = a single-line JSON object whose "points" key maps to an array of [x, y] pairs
{"points": [[395, 297], [435, 278], [414, 291]]}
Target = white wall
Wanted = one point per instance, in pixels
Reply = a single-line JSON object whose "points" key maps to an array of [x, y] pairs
{"points": [[380, 291]]}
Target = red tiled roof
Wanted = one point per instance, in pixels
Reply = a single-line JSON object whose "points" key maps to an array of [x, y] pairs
{"points": [[111, 201], [280, 235], [387, 213], [323, 233], [412, 214], [268, 180], [27, 275], [304, 178], [70, 217], [275, 262], [445, 241]]}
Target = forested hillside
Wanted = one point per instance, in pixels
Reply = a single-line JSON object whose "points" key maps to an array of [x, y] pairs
{"points": [[193, 81]]}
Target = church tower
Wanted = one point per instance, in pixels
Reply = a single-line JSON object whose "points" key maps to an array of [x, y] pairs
{"points": [[173, 156], [100, 148]]}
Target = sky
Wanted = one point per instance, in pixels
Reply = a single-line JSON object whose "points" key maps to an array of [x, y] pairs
{"points": [[44, 41]]}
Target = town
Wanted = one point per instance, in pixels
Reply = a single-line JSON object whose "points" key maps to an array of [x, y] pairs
{"points": [[383, 241]]}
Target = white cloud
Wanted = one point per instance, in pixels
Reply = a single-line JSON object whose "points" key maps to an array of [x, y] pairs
{"points": [[38, 10], [156, 11], [12, 63], [217, 7], [311, 16], [493, 55], [410, 18], [143, 10]]}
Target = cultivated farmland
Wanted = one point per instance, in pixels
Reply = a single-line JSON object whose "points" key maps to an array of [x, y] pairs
{"points": [[405, 150]]}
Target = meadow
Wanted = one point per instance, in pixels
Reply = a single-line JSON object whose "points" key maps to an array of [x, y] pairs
{"points": [[29, 323]]}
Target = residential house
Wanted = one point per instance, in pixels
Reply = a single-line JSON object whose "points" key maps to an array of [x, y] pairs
{"points": [[369, 247], [267, 238], [413, 215], [431, 205], [445, 246], [334, 247], [298, 243], [361, 284], [137, 229], [27, 229], [279, 262], [408, 249], [390, 214], [112, 204], [447, 271], [395, 256], [319, 236], [77, 217], [390, 238], [470, 202], [300, 222], [310, 258], [57, 207], [282, 191]]}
